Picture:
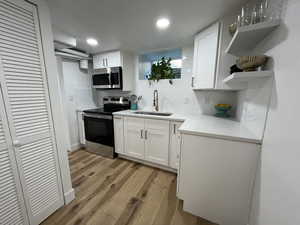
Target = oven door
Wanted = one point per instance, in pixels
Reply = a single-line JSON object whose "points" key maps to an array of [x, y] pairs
{"points": [[101, 81], [99, 129]]}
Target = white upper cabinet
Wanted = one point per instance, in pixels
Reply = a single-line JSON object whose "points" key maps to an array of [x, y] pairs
{"points": [[205, 58], [118, 59], [113, 59], [106, 60], [157, 141]]}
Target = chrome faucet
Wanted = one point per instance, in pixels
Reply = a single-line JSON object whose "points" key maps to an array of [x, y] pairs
{"points": [[155, 100]]}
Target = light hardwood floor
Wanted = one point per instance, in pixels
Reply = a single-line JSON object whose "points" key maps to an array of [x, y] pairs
{"points": [[121, 192]]}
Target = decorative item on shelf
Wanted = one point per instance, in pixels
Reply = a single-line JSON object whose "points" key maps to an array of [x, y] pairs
{"points": [[222, 110], [232, 28], [251, 63], [162, 70], [234, 69], [262, 11]]}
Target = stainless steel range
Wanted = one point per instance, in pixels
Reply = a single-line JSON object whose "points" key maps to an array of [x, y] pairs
{"points": [[98, 125]]}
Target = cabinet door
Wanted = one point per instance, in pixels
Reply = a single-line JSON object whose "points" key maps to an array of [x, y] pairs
{"points": [[113, 59], [175, 139], [157, 141], [134, 137], [99, 61], [217, 177], [205, 57], [119, 134], [12, 209], [81, 127], [25, 93]]}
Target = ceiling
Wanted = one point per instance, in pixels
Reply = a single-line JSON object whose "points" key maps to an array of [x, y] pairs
{"points": [[130, 24]]}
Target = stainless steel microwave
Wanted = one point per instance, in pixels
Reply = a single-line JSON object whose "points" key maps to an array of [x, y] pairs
{"points": [[110, 78]]}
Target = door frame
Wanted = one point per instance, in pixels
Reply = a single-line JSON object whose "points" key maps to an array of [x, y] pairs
{"points": [[59, 124]]}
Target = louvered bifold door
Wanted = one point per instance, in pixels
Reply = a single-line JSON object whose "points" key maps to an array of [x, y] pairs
{"points": [[12, 207], [24, 83]]}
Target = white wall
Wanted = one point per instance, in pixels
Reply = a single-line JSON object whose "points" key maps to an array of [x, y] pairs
{"points": [[78, 94], [277, 192], [180, 97]]}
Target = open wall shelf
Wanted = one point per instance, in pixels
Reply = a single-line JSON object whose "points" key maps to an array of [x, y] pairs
{"points": [[247, 37], [247, 76]]}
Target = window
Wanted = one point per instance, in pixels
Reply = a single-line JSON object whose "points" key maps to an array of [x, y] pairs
{"points": [[146, 60]]}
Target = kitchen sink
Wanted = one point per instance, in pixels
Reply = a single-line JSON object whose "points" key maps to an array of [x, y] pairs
{"points": [[153, 113]]}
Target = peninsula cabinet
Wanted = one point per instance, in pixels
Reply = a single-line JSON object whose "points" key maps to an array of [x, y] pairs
{"points": [[217, 178], [30, 185]]}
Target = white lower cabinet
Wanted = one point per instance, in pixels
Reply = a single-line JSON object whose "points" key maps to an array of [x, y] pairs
{"points": [[119, 134], [134, 142], [81, 127], [217, 177], [146, 139], [157, 141], [175, 141]]}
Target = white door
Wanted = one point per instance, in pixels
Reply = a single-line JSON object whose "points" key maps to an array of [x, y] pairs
{"points": [[175, 139], [12, 209], [205, 57], [119, 134], [157, 141], [134, 137], [26, 98]]}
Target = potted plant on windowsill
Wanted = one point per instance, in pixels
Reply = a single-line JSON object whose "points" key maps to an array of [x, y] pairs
{"points": [[162, 70]]}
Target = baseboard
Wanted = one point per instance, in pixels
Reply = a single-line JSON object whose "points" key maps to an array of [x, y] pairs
{"points": [[148, 163], [69, 196], [75, 147]]}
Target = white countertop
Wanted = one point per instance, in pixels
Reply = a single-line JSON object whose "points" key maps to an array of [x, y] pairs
{"points": [[205, 126]]}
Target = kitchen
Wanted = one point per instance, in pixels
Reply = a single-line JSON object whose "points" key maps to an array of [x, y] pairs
{"points": [[190, 120]]}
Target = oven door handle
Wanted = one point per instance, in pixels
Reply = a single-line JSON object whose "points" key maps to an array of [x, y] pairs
{"points": [[106, 117]]}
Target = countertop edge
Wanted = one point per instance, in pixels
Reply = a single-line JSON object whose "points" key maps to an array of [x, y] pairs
{"points": [[219, 136], [185, 119]]}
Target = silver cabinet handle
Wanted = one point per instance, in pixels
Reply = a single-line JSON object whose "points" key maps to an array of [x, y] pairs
{"points": [[174, 128], [193, 79], [141, 134], [146, 134], [106, 62]]}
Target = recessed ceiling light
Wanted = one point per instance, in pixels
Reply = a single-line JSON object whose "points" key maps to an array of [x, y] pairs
{"points": [[92, 41], [163, 23]]}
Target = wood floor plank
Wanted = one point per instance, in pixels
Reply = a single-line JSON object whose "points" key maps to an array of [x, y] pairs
{"points": [[151, 200], [92, 193], [168, 205], [121, 192], [117, 204], [94, 204]]}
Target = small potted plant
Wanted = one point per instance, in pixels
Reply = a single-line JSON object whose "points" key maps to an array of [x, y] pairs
{"points": [[162, 70]]}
